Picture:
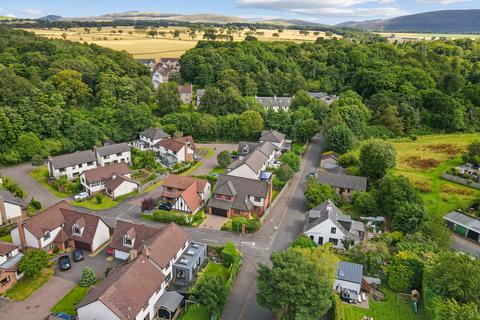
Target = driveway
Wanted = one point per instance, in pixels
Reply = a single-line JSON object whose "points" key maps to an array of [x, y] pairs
{"points": [[33, 188], [213, 222], [465, 245], [210, 163], [100, 264], [37, 306]]}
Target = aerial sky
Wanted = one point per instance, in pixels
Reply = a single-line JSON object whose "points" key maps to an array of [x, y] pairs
{"points": [[322, 11]]}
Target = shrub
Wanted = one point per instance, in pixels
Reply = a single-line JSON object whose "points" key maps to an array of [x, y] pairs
{"points": [[285, 173], [348, 160], [224, 159], [148, 204], [87, 278], [171, 216], [376, 158], [292, 159], [277, 183], [33, 262], [364, 203], [98, 198], [35, 204], [339, 139], [303, 241], [230, 255], [316, 193], [405, 272]]}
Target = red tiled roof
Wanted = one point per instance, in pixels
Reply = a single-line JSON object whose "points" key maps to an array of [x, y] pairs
{"points": [[47, 220], [189, 140], [103, 173], [183, 182], [170, 144], [90, 225], [164, 246], [115, 181], [191, 197], [6, 247], [142, 234]]}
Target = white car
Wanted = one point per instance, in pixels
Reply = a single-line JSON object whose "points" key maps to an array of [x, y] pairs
{"points": [[81, 196], [276, 164]]}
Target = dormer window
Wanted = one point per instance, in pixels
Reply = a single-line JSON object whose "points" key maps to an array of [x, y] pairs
{"points": [[245, 149], [46, 235], [76, 229], [127, 241]]}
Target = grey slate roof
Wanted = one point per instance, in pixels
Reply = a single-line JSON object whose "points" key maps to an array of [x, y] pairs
{"points": [[270, 102], [254, 160], [267, 148], [10, 263], [155, 133], [73, 159], [113, 149], [10, 198], [348, 271], [329, 211], [170, 300], [245, 147], [272, 136], [243, 188], [345, 181], [145, 61], [463, 219]]}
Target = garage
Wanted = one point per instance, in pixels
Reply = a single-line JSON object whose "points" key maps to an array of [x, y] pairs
{"points": [[463, 224], [220, 212], [82, 245]]}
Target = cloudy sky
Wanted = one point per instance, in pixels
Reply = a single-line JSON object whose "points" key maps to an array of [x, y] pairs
{"points": [[323, 11]]}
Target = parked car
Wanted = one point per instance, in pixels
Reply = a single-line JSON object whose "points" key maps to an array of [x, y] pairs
{"points": [[81, 196], [234, 156], [215, 174], [64, 263], [311, 174], [165, 206], [77, 255], [110, 251], [277, 164], [64, 316]]}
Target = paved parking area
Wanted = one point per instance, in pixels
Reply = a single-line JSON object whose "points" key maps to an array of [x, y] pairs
{"points": [[213, 222], [210, 163], [100, 264]]}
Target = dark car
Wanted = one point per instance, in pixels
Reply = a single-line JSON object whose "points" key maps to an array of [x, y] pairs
{"points": [[64, 316], [165, 206], [77, 255], [64, 263]]}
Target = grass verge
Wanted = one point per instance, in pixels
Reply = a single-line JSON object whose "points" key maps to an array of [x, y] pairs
{"points": [[40, 175], [68, 303], [192, 168], [196, 312], [25, 287], [92, 203], [205, 152], [218, 170], [7, 238]]}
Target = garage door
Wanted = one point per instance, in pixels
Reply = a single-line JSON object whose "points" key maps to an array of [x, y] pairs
{"points": [[460, 230], [473, 235], [219, 212], [82, 245]]}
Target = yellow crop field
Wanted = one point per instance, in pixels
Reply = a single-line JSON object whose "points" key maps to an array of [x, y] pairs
{"points": [[402, 36], [141, 45]]}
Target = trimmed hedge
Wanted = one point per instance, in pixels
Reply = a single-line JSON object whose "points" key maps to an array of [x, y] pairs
{"points": [[182, 219]]}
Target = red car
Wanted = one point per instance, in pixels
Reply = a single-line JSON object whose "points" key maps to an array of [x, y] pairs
{"points": [[110, 251]]}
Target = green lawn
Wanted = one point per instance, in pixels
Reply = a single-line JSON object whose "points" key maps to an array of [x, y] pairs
{"points": [[92, 204], [275, 194], [40, 174], [213, 268], [7, 238], [26, 286], [70, 300], [218, 170], [192, 168], [205, 152], [196, 312], [388, 309]]}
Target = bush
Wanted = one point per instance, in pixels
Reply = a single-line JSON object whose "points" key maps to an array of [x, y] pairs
{"points": [[35, 204], [277, 183], [171, 216], [148, 204], [364, 203], [348, 160], [87, 278], [284, 173], [251, 225], [13, 187], [405, 272], [376, 158], [224, 159], [33, 262], [317, 193], [98, 198], [303, 241], [292, 159], [230, 255], [339, 139]]}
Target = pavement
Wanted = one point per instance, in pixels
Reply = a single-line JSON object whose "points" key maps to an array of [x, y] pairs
{"points": [[31, 186], [38, 305], [210, 163]]}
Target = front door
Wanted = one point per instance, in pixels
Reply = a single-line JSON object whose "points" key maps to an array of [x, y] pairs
{"points": [[320, 241]]}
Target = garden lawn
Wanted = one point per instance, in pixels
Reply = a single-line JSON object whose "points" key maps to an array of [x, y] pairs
{"points": [[213, 268], [275, 193], [40, 174], [192, 168], [387, 309], [205, 152], [92, 204], [196, 312], [7, 238], [26, 286], [68, 303], [218, 170]]}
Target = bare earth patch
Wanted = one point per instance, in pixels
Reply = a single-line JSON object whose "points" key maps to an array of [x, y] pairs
{"points": [[419, 163], [450, 189], [445, 148]]}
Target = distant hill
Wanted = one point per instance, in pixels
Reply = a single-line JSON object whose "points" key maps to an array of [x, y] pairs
{"points": [[193, 18], [7, 18], [51, 17], [445, 21]]}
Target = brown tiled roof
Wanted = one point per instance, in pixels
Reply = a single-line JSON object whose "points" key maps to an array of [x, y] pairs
{"points": [[115, 181], [61, 237], [166, 244], [142, 234], [47, 220], [185, 89], [170, 144], [188, 139], [191, 197], [103, 173], [6, 247], [90, 221], [183, 182], [126, 290]]}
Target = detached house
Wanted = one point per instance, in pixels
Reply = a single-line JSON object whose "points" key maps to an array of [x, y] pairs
{"points": [[149, 63], [113, 179], [11, 207], [160, 74], [113, 153], [186, 93], [344, 184], [174, 150], [186, 193], [60, 226], [251, 166], [237, 196], [277, 139], [137, 289], [325, 97], [10, 257], [275, 103], [326, 223], [71, 165], [148, 138]]}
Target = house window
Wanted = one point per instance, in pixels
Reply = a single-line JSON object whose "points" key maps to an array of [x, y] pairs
{"points": [[90, 163], [62, 170], [4, 281], [312, 238], [119, 154], [257, 199], [76, 229], [334, 241], [320, 240], [229, 198], [147, 317], [46, 235], [333, 230], [80, 165], [106, 157], [127, 241]]}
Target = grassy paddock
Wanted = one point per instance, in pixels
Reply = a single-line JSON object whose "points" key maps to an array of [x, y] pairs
{"points": [[70, 300], [25, 287]]}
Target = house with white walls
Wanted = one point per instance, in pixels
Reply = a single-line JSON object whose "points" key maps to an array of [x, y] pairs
{"points": [[251, 166], [113, 153], [148, 138], [186, 194], [180, 150], [327, 224], [60, 226], [10, 257], [11, 207], [113, 179], [72, 164]]}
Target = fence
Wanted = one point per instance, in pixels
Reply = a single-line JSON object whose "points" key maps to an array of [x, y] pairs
{"points": [[459, 180], [267, 212], [150, 183]]}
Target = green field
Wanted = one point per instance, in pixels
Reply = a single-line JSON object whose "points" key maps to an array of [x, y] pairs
{"points": [[70, 300]]}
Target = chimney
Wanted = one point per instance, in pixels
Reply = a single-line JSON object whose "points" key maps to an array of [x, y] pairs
{"points": [[133, 254], [21, 234], [146, 251]]}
